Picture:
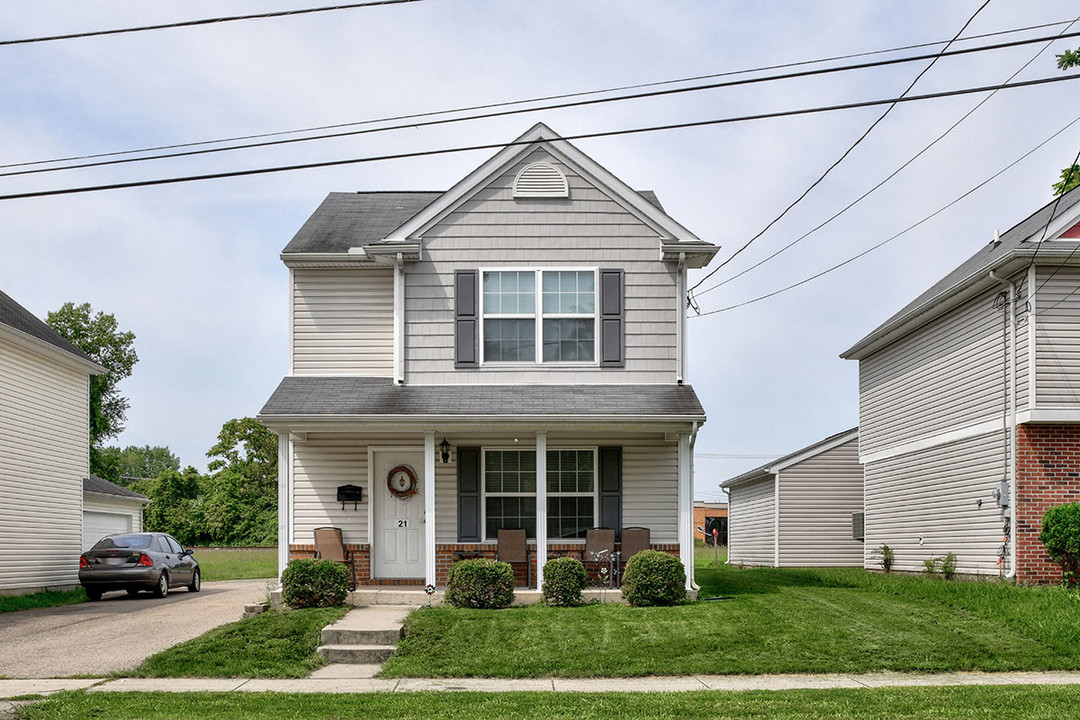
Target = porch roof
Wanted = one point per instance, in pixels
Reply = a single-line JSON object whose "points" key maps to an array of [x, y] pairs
{"points": [[365, 398]]}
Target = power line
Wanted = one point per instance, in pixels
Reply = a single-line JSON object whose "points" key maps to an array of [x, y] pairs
{"points": [[497, 146], [897, 235], [889, 177], [205, 21], [842, 157], [1069, 257], [500, 113]]}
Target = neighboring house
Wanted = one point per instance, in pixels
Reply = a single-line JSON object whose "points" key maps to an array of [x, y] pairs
{"points": [[801, 510], [969, 405], [44, 452], [706, 516], [508, 353], [108, 509]]}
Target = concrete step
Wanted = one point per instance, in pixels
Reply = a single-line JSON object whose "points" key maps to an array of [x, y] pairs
{"points": [[356, 654], [333, 635]]}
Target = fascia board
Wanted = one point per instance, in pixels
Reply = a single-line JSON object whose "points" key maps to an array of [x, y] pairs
{"points": [[286, 423], [125, 498], [755, 475], [50, 351], [1061, 223], [317, 260]]}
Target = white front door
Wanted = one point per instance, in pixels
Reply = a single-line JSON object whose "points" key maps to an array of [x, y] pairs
{"points": [[397, 547]]}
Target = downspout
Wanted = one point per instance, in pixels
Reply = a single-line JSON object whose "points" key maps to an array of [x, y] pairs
{"points": [[1011, 469], [680, 325], [399, 320]]}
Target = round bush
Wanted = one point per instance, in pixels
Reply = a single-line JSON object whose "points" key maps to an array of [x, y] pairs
{"points": [[564, 579], [308, 583], [480, 583], [653, 577], [1061, 537]]}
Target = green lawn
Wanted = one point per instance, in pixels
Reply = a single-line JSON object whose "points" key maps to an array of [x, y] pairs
{"points": [[770, 621], [49, 598], [982, 703], [706, 557], [236, 563], [275, 644]]}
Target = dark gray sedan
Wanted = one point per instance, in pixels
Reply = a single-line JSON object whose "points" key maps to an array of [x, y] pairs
{"points": [[138, 561]]}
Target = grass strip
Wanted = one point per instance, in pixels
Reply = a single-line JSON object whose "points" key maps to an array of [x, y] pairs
{"points": [[960, 703], [236, 563], [48, 598], [274, 644]]}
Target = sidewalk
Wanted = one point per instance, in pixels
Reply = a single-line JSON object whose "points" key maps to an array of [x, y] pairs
{"points": [[328, 684]]}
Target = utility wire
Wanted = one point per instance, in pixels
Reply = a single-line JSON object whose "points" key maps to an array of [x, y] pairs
{"points": [[564, 96], [891, 175], [897, 235], [1049, 220], [205, 21], [499, 146], [842, 157]]}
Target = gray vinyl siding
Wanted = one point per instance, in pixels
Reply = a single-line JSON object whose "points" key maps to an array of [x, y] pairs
{"points": [[589, 230], [1057, 338], [343, 322], [752, 523], [44, 439], [934, 494], [943, 376], [326, 460], [817, 498]]}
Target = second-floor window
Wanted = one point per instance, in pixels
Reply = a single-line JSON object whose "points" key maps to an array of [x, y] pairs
{"points": [[539, 316]]}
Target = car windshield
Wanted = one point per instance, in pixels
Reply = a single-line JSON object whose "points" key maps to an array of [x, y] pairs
{"points": [[133, 542]]}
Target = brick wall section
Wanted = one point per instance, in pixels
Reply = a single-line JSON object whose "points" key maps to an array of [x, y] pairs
{"points": [[1048, 474], [444, 558]]}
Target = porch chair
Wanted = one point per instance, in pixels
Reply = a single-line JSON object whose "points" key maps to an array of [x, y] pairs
{"points": [[634, 540], [514, 548], [329, 545], [600, 548]]}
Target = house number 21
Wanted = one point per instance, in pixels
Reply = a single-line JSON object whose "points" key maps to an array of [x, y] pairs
{"points": [[403, 523]]}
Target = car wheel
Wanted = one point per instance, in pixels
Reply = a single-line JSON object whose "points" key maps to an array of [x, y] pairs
{"points": [[132, 591], [162, 587], [196, 582], [92, 595]]}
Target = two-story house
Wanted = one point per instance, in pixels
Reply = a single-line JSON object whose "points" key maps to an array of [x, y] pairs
{"points": [[509, 353], [969, 405]]}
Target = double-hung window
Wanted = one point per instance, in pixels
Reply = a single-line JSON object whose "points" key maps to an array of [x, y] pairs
{"points": [[510, 492], [539, 316]]}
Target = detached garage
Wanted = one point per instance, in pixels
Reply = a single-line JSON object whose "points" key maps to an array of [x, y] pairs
{"points": [[802, 510], [108, 509]]}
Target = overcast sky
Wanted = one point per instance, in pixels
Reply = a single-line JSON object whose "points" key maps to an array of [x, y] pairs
{"points": [[193, 269]]}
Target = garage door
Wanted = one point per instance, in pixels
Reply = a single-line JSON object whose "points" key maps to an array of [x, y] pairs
{"points": [[97, 525]]}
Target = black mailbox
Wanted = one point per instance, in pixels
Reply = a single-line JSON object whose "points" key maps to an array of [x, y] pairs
{"points": [[350, 493]]}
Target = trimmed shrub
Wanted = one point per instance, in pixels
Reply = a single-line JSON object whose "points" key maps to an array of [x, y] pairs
{"points": [[1061, 537], [308, 583], [480, 583], [564, 579], [653, 577]]}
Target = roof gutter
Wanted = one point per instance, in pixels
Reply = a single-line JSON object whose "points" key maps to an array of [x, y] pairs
{"points": [[1011, 429]]}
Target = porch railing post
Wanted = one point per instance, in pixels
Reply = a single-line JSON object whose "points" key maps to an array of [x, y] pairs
{"points": [[541, 506], [686, 508], [284, 501]]}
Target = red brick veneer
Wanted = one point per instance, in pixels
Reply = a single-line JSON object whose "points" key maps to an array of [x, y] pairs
{"points": [[1047, 474]]}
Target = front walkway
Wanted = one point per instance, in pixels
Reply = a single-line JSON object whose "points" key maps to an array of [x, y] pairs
{"points": [[16, 688]]}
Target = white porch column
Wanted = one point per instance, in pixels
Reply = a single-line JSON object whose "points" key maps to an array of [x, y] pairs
{"points": [[686, 508], [541, 506], [429, 507], [284, 497]]}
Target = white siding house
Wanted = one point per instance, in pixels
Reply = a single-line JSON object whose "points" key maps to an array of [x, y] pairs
{"points": [[800, 510], [507, 353], [108, 509], [969, 405], [44, 452]]}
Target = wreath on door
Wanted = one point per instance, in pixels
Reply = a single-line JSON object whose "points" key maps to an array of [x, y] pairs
{"points": [[401, 482]]}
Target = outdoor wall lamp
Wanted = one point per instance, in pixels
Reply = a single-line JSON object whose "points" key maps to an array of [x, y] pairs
{"points": [[444, 449]]}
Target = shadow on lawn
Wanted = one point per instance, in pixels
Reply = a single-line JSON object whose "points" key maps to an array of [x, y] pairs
{"points": [[733, 581]]}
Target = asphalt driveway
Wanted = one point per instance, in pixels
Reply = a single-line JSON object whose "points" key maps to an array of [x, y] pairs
{"points": [[117, 633]]}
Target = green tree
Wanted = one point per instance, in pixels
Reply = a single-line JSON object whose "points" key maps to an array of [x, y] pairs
{"points": [[99, 336], [174, 500], [124, 467], [241, 504], [1070, 176]]}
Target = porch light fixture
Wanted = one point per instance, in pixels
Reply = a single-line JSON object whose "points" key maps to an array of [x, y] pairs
{"points": [[444, 449]]}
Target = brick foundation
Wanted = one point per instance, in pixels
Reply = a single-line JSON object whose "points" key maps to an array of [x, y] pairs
{"points": [[1047, 474], [445, 557]]}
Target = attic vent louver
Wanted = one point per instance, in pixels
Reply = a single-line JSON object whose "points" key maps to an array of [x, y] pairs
{"points": [[541, 180]]}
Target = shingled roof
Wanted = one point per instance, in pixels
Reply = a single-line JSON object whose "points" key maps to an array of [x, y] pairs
{"points": [[101, 486], [15, 316], [377, 398]]}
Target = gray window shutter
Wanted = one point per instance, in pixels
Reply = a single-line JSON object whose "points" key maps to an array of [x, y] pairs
{"points": [[612, 319], [611, 489], [466, 319], [468, 482]]}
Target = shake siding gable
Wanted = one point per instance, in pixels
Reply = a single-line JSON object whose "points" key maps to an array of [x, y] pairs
{"points": [[589, 230], [752, 523], [44, 436]]}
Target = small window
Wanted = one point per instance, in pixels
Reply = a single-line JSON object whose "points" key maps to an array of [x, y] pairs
{"points": [[510, 492], [541, 180]]}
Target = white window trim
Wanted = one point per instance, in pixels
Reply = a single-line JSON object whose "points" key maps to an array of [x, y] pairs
{"points": [[595, 494], [538, 316]]}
